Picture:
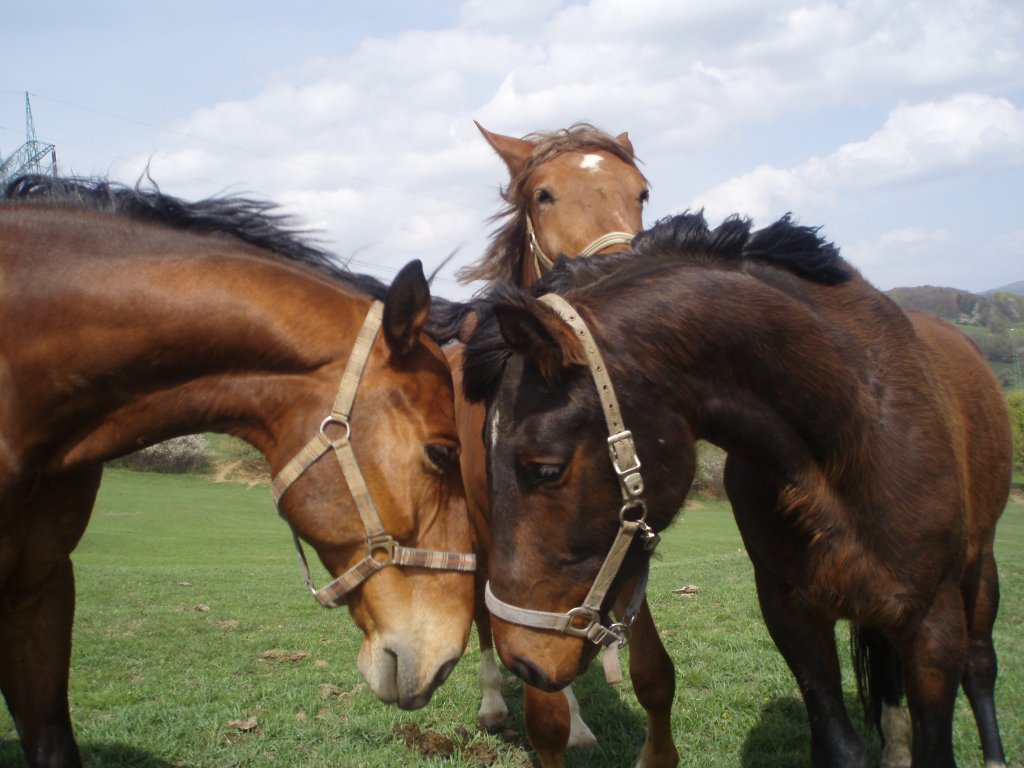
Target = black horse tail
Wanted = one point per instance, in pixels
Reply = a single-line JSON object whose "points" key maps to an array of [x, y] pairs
{"points": [[879, 674]]}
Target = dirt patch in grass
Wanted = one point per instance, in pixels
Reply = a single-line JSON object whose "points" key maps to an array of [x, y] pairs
{"points": [[479, 752]]}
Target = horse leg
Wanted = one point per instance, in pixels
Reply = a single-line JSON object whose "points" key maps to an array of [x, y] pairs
{"points": [[981, 597], [804, 637], [547, 720], [807, 643], [493, 712], [37, 605], [654, 683], [879, 672], [935, 661]]}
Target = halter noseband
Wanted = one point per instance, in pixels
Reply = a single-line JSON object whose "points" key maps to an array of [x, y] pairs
{"points": [[585, 620], [382, 549], [542, 263]]}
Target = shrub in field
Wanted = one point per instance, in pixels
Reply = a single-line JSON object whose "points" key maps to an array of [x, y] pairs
{"points": [[1015, 402], [710, 465], [180, 455]]}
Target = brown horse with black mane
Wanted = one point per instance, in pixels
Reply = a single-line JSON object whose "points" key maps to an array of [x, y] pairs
{"points": [[869, 461], [130, 317], [574, 192]]}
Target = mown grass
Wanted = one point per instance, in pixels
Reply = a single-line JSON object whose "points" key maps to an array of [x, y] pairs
{"points": [[192, 622]]}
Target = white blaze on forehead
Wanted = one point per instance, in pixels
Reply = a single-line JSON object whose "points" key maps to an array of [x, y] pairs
{"points": [[591, 162]]}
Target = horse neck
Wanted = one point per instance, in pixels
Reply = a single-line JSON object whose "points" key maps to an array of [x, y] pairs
{"points": [[753, 370], [154, 348]]}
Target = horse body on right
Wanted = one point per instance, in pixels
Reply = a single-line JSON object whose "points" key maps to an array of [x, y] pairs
{"points": [[869, 460]]}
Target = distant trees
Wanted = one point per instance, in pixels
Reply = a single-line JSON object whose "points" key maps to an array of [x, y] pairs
{"points": [[995, 322]]}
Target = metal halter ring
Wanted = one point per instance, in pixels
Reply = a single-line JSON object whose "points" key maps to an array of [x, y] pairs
{"points": [[335, 420], [631, 505]]}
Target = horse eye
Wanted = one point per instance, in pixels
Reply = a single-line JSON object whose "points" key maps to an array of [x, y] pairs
{"points": [[539, 473], [440, 456], [645, 196], [543, 197]]}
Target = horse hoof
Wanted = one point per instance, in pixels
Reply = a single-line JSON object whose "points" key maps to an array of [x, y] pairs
{"points": [[581, 737], [494, 720]]}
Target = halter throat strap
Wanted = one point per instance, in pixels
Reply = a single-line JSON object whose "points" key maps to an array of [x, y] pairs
{"points": [[542, 263], [585, 620], [382, 549]]}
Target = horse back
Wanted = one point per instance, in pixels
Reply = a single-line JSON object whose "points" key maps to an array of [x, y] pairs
{"points": [[974, 407]]}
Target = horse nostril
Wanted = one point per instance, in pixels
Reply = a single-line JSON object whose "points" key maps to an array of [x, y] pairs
{"points": [[442, 674], [533, 676]]}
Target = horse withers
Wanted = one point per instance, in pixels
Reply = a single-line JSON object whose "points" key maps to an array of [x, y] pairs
{"points": [[130, 317], [869, 460]]}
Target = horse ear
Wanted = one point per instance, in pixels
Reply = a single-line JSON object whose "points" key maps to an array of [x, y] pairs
{"points": [[406, 308], [515, 152], [623, 138], [536, 332]]}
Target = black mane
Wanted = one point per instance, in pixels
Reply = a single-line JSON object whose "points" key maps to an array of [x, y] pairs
{"points": [[684, 238], [783, 244], [252, 221]]}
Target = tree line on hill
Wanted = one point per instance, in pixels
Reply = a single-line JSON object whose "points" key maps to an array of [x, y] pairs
{"points": [[994, 320]]}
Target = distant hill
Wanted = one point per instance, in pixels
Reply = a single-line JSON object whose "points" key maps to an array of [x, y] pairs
{"points": [[1017, 288], [994, 319], [997, 310]]}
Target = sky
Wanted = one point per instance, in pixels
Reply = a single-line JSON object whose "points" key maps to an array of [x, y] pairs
{"points": [[896, 127]]}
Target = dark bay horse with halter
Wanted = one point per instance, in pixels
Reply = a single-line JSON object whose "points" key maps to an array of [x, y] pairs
{"points": [[869, 461], [574, 192], [130, 317]]}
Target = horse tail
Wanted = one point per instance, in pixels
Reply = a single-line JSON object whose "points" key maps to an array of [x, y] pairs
{"points": [[877, 669]]}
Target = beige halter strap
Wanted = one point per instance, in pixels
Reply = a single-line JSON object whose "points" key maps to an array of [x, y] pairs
{"points": [[542, 263], [382, 549], [585, 621]]}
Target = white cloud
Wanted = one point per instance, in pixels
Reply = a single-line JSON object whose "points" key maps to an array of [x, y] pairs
{"points": [[911, 257], [967, 134], [378, 142]]}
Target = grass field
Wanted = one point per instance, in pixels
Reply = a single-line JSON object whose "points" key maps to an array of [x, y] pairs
{"points": [[196, 645]]}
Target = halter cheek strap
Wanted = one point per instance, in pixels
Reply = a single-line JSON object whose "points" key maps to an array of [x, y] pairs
{"points": [[585, 620], [382, 549], [542, 263]]}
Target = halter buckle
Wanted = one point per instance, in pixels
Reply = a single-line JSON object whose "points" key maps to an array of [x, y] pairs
{"points": [[626, 463], [588, 615], [381, 542]]}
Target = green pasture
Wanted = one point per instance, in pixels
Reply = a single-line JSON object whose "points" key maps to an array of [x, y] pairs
{"points": [[196, 645]]}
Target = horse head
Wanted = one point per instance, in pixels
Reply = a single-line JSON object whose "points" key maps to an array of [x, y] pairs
{"points": [[394, 531], [558, 499], [572, 192]]}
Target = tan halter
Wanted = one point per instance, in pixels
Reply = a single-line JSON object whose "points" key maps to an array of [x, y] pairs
{"points": [[382, 549], [585, 621], [542, 263]]}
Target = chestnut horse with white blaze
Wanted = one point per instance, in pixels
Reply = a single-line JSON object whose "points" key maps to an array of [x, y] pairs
{"points": [[869, 462], [573, 193], [130, 317]]}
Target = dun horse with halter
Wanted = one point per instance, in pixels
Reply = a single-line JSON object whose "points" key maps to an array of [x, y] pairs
{"points": [[869, 461], [131, 317], [574, 192]]}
